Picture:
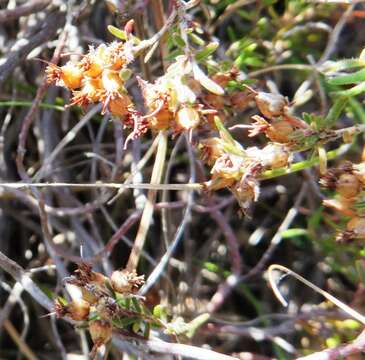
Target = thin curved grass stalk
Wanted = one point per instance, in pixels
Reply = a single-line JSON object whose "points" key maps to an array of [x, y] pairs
{"points": [[151, 197], [347, 309]]}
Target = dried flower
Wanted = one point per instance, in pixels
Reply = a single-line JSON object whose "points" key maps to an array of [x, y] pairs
{"points": [[357, 227], [124, 281], [187, 118], [271, 105], [348, 185], [69, 75], [100, 332], [211, 149], [77, 309]]}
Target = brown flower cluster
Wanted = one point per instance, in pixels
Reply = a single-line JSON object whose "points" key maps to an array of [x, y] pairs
{"points": [[348, 181], [97, 303], [276, 120], [97, 77], [239, 169]]}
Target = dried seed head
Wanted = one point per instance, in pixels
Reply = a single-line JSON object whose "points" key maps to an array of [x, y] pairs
{"points": [[112, 83], [329, 179], [92, 65], [187, 118], [271, 105], [78, 309], [222, 79], [162, 120], [124, 281], [279, 131], [69, 75], [100, 331], [348, 185], [120, 105], [90, 92], [85, 276], [211, 149], [246, 191], [357, 227]]}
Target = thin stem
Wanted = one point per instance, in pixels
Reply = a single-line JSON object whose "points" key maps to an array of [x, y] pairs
{"points": [[151, 197]]}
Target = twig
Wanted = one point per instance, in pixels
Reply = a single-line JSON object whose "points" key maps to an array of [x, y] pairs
{"points": [[158, 270], [51, 24], [31, 7], [20, 275], [188, 351], [335, 34], [23, 347]]}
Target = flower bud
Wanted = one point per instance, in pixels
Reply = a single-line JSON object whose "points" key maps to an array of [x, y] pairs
{"points": [[112, 83], [187, 118], [89, 93], [348, 185], [271, 105]]}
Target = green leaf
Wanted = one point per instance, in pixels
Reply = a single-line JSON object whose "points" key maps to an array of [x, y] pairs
{"points": [[160, 312], [124, 322], [293, 233], [120, 34], [347, 79], [196, 323], [196, 39], [136, 305], [335, 111], [207, 51], [179, 41], [354, 91]]}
